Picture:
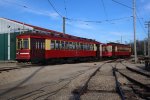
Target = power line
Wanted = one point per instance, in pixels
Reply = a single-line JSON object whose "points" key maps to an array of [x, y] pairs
{"points": [[141, 24], [91, 21], [104, 9], [122, 4], [16, 4], [54, 8], [136, 14]]}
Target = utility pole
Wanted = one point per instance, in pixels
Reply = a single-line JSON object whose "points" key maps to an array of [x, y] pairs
{"points": [[64, 23], [23, 27], [121, 39], [134, 26], [149, 38], [9, 43], [144, 47]]}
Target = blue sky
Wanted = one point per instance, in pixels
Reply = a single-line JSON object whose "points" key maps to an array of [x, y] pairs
{"points": [[40, 13]]}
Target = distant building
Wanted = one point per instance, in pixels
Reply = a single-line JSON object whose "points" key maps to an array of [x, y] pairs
{"points": [[11, 28]]}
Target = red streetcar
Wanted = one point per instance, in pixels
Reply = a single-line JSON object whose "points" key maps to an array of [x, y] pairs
{"points": [[36, 47], [116, 50], [107, 50]]}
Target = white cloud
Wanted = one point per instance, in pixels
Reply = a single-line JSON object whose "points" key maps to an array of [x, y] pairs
{"points": [[22, 7], [43, 12]]}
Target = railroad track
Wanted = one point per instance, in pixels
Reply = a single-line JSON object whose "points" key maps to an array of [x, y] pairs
{"points": [[79, 92], [40, 93], [138, 83], [139, 71], [7, 69]]}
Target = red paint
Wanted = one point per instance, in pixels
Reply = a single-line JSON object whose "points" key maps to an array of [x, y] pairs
{"points": [[20, 54], [68, 53]]}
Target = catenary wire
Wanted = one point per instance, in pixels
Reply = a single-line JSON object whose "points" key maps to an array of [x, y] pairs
{"points": [[122, 4], [136, 14], [54, 8], [104, 9]]}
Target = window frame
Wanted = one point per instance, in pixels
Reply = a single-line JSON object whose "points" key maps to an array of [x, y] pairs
{"points": [[52, 42]]}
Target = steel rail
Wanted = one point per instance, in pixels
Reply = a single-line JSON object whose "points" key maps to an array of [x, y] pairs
{"points": [[118, 86], [78, 93], [147, 87], [137, 71]]}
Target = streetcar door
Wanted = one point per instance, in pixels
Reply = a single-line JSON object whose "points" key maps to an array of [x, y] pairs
{"points": [[37, 50]]}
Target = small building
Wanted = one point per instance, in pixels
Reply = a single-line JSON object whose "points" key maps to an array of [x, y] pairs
{"points": [[8, 31]]}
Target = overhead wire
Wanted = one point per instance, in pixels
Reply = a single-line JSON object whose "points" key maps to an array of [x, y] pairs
{"points": [[122, 4], [141, 24], [15, 3], [71, 19], [92, 21], [104, 9], [54, 8], [41, 12], [136, 14]]}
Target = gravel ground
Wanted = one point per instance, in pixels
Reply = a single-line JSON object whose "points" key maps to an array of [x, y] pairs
{"points": [[52, 82], [125, 84], [56, 82], [102, 86], [100, 96]]}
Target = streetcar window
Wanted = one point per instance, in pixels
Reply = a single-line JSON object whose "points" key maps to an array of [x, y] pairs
{"points": [[78, 46], [60, 45], [25, 44], [109, 48], [81, 46], [36, 45], [104, 48], [57, 44], [53, 44], [70, 45], [43, 45], [91, 47], [66, 45], [63, 45], [88, 46], [85, 46], [19, 44], [74, 45]]}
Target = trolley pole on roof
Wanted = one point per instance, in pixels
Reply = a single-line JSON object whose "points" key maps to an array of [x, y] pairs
{"points": [[64, 22], [134, 27]]}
